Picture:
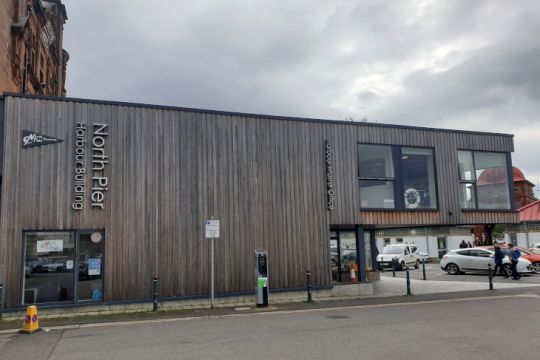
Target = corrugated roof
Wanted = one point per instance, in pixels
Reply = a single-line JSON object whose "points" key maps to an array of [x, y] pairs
{"points": [[530, 212]]}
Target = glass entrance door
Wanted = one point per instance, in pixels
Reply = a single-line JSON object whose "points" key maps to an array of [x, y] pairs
{"points": [[343, 255], [90, 255], [441, 246]]}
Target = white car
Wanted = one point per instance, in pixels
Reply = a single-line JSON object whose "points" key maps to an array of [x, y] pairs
{"points": [[477, 259], [535, 248], [405, 255]]}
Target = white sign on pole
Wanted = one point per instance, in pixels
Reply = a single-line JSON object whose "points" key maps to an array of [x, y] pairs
{"points": [[212, 229]]}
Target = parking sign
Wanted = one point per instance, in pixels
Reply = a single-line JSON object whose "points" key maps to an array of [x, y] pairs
{"points": [[212, 229]]}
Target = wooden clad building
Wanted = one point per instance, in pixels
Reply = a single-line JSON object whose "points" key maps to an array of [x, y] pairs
{"points": [[97, 197]]}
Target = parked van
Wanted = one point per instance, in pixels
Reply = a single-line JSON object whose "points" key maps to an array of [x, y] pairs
{"points": [[405, 255]]}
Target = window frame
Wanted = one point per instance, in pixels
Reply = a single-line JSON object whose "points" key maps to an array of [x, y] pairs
{"points": [[398, 190], [509, 182]]}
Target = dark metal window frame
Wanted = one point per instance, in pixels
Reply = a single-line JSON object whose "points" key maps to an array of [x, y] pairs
{"points": [[399, 201], [510, 180]]}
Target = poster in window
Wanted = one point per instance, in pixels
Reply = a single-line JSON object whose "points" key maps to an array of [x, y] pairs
{"points": [[94, 267]]}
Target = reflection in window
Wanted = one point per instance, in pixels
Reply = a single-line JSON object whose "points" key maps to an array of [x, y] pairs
{"points": [[367, 251], [492, 184], [376, 172], [418, 176], [483, 180], [348, 255], [48, 267]]}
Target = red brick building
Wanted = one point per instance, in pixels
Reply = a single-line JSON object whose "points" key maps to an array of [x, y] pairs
{"points": [[523, 189], [32, 59]]}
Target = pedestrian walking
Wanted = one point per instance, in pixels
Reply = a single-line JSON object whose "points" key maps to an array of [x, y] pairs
{"points": [[463, 244], [469, 244], [513, 255], [499, 256]]}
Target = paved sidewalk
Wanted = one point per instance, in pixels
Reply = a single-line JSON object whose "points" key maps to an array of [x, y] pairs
{"points": [[395, 286], [388, 290]]}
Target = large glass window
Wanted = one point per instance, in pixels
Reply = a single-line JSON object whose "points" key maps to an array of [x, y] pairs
{"points": [[418, 176], [49, 267], [376, 172], [414, 187], [483, 180], [63, 266]]}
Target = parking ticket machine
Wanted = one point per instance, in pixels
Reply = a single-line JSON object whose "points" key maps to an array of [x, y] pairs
{"points": [[261, 276]]}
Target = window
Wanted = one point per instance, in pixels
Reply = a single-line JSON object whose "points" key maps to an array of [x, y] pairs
{"points": [[399, 240], [418, 174], [386, 241], [483, 180], [395, 177], [376, 172], [63, 266]]}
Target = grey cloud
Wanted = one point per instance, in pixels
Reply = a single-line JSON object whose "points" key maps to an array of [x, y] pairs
{"points": [[317, 59]]}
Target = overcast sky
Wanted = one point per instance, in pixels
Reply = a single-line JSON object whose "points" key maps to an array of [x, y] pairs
{"points": [[472, 65]]}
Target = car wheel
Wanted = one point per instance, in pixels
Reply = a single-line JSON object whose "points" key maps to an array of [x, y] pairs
{"points": [[417, 264], [452, 269], [403, 266], [536, 267], [508, 269]]}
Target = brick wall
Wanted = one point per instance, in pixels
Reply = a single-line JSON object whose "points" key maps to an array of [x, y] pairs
{"points": [[6, 19]]}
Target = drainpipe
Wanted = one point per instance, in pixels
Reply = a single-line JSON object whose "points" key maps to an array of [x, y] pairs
{"points": [[427, 241], [527, 235]]}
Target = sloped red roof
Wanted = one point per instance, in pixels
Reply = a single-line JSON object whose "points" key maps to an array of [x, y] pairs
{"points": [[530, 212], [518, 174]]}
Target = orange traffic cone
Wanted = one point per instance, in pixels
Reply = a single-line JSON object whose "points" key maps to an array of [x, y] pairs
{"points": [[31, 321], [353, 275]]}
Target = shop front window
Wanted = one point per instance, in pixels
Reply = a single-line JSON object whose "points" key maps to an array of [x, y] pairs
{"points": [[62, 266], [49, 267]]}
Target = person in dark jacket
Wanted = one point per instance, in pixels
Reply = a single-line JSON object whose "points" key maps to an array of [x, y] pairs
{"points": [[463, 244], [513, 255], [499, 256]]}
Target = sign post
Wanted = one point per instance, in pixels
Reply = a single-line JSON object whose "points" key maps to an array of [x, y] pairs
{"points": [[212, 232]]}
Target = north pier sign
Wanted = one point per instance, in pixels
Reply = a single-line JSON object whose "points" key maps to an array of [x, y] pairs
{"points": [[99, 161]]}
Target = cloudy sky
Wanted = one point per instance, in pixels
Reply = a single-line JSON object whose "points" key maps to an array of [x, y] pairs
{"points": [[471, 65]]}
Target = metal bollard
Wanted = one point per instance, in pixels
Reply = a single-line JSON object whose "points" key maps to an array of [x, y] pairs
{"points": [[1, 300], [154, 298], [490, 276], [424, 268], [308, 275], [408, 282], [394, 267]]}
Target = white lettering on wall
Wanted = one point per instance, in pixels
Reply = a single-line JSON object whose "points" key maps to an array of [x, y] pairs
{"points": [[99, 162], [329, 175]]}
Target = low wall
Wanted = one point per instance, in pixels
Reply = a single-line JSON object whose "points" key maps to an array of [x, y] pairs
{"points": [[336, 292]]}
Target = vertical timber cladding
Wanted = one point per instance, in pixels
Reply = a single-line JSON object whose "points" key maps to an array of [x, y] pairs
{"points": [[153, 175]]}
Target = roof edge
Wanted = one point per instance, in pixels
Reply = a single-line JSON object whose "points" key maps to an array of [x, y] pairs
{"points": [[528, 205], [234, 113]]}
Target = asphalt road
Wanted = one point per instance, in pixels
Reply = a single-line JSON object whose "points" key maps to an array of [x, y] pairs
{"points": [[503, 327], [434, 272]]}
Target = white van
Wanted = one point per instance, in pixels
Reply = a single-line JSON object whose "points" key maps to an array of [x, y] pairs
{"points": [[405, 254]]}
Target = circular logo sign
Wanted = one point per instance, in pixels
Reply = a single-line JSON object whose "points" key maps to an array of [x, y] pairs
{"points": [[96, 237]]}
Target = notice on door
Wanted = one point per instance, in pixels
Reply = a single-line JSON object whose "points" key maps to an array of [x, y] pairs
{"points": [[94, 266], [45, 246]]}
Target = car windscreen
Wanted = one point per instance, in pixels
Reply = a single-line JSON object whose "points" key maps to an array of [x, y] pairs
{"points": [[392, 250]]}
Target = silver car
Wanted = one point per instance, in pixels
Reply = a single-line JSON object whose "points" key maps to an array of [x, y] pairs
{"points": [[478, 259]]}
